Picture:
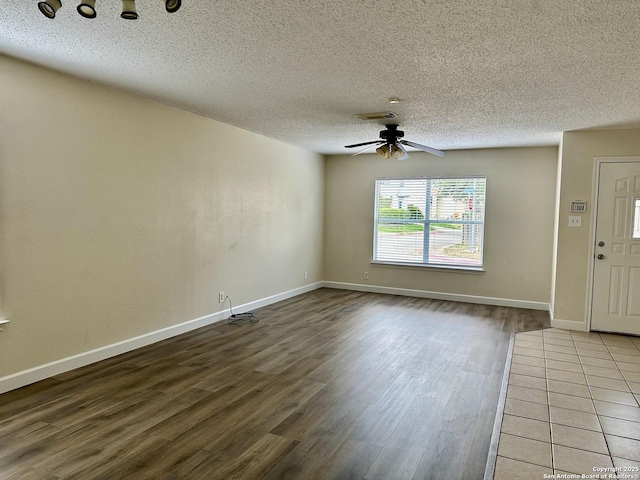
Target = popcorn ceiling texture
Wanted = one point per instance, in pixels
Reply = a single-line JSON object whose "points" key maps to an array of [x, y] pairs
{"points": [[472, 74]]}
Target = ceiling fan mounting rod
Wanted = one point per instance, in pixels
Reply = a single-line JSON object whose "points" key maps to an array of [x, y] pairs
{"points": [[391, 134]]}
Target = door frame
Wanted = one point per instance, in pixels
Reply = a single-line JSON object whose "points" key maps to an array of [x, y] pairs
{"points": [[592, 228]]}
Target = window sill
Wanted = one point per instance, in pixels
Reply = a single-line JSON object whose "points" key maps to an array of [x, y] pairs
{"points": [[438, 268]]}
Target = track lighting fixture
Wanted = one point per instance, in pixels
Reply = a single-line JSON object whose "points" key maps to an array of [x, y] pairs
{"points": [[87, 8]]}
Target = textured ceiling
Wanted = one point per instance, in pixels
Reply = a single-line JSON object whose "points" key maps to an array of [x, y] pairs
{"points": [[472, 73]]}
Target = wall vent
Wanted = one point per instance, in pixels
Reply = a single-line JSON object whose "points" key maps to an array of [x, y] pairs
{"points": [[376, 116]]}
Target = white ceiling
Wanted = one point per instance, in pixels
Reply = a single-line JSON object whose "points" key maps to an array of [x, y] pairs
{"points": [[472, 73]]}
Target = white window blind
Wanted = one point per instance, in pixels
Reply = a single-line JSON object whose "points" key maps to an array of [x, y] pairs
{"points": [[430, 221], [636, 218]]}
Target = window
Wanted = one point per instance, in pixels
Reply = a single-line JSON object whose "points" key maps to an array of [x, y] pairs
{"points": [[636, 218], [430, 221]]}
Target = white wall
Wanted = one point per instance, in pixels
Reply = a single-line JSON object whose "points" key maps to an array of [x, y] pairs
{"points": [[521, 185], [121, 216]]}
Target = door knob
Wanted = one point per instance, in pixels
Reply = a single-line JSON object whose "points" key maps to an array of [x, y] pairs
{"points": [[600, 256]]}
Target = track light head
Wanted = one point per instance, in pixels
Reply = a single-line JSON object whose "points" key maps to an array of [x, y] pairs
{"points": [[173, 5], [129, 10], [49, 7], [87, 9], [384, 151]]}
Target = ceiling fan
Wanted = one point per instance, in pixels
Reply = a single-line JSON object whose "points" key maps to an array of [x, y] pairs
{"points": [[390, 145]]}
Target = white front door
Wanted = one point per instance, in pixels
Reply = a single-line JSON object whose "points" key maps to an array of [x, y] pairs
{"points": [[616, 274]]}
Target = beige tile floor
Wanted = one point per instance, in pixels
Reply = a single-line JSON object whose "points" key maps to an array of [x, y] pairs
{"points": [[573, 404]]}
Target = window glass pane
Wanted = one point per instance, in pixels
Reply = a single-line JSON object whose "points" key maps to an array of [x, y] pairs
{"points": [[402, 243], [437, 221], [456, 245], [636, 218], [457, 199], [402, 199]]}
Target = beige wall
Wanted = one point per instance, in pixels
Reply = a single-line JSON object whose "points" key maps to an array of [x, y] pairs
{"points": [[576, 183], [521, 185], [121, 216]]}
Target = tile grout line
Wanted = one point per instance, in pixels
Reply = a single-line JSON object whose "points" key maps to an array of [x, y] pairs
{"points": [[528, 438], [551, 442], [624, 377], [573, 340], [546, 378], [628, 386], [591, 396], [606, 441], [490, 469]]}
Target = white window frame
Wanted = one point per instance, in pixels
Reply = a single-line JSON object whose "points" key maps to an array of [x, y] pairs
{"points": [[427, 222]]}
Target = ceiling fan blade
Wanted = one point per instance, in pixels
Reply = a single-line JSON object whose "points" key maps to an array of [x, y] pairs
{"points": [[405, 155], [362, 144], [424, 148], [364, 149]]}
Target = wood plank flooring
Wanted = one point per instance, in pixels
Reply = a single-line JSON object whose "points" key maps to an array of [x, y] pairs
{"points": [[329, 385]]}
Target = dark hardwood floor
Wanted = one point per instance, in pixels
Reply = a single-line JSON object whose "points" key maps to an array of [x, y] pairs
{"points": [[329, 385]]}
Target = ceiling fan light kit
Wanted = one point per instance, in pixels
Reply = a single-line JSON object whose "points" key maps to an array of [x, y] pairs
{"points": [[383, 151], [390, 145], [392, 151], [87, 8], [397, 151]]}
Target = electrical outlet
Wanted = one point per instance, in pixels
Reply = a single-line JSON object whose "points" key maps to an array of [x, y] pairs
{"points": [[221, 297], [306, 275], [366, 275]]}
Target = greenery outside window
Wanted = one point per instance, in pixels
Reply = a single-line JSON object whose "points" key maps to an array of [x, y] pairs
{"points": [[430, 222]]}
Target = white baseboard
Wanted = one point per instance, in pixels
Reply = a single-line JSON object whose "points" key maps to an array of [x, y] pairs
{"points": [[27, 377], [569, 324], [455, 297], [263, 302]]}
